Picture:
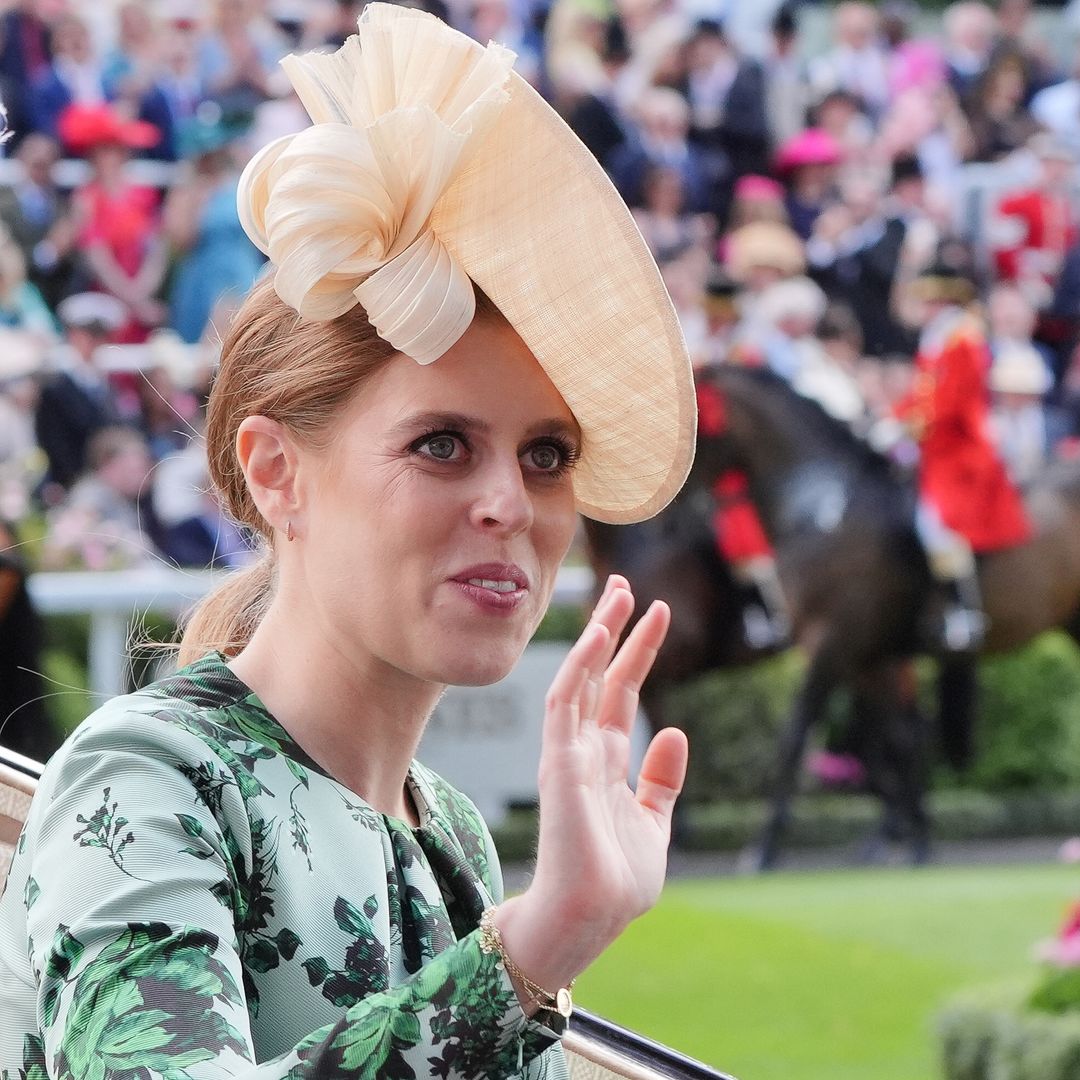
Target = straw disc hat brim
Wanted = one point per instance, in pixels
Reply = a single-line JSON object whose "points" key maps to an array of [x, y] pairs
{"points": [[534, 221]]}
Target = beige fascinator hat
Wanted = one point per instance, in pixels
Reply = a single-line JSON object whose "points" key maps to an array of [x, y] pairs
{"points": [[431, 165]]}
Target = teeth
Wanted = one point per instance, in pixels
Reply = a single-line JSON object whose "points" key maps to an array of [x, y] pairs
{"points": [[495, 586]]}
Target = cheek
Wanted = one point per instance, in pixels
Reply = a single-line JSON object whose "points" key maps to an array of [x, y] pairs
{"points": [[555, 529]]}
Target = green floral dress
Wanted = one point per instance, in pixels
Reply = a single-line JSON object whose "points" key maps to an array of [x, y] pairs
{"points": [[193, 897]]}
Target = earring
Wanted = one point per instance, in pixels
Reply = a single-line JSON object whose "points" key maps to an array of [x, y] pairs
{"points": [[288, 532]]}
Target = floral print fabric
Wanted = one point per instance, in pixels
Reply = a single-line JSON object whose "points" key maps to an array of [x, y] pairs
{"points": [[194, 898]]}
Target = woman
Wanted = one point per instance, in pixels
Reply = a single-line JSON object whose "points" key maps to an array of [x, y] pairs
{"points": [[242, 871], [212, 255], [118, 222]]}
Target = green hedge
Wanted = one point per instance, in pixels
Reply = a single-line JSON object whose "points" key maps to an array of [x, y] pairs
{"points": [[990, 1034], [822, 820], [1027, 733], [1028, 730]]}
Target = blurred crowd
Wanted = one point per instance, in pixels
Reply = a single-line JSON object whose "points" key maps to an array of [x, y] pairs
{"points": [[793, 167]]}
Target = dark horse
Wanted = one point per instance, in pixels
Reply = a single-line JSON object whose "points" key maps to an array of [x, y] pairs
{"points": [[856, 579]]}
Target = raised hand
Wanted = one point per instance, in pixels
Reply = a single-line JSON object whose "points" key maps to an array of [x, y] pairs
{"points": [[602, 851]]}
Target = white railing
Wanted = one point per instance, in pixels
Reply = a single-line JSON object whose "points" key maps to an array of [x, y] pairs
{"points": [[116, 599]]}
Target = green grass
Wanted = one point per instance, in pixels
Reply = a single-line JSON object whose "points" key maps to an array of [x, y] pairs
{"points": [[823, 976]]}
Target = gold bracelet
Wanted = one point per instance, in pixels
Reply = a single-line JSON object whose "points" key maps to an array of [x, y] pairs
{"points": [[491, 941]]}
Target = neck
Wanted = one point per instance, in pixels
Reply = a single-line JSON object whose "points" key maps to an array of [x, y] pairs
{"points": [[360, 720]]}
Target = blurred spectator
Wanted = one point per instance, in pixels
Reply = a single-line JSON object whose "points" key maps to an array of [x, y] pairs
{"points": [[1019, 382], [1057, 108], [106, 521], [1011, 321], [37, 213], [178, 75], [727, 99], [666, 226], [25, 56], [593, 112], [73, 76], [912, 61], [77, 401], [213, 255], [1018, 37], [808, 165], [787, 85], [855, 254], [859, 62], [131, 74], [661, 140], [788, 314], [163, 370], [504, 21], [927, 123], [1036, 227], [22, 463], [119, 231], [345, 14], [683, 275], [194, 530], [761, 253], [238, 57], [841, 114], [970, 32], [721, 310], [757, 198], [997, 111], [21, 305]]}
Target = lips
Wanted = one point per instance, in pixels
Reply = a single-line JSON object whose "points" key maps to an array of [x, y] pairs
{"points": [[500, 578]]}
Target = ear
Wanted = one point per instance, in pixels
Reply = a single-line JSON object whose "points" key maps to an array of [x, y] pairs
{"points": [[269, 459]]}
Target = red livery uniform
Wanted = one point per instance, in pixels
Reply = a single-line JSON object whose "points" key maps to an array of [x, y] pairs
{"points": [[740, 536], [1045, 230], [947, 410]]}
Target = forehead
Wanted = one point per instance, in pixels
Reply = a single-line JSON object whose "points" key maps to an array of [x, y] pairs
{"points": [[488, 375]]}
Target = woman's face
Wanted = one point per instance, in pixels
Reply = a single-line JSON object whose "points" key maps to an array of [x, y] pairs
{"points": [[442, 512]]}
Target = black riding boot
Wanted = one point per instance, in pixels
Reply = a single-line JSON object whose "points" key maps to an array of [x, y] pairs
{"points": [[766, 622], [963, 622]]}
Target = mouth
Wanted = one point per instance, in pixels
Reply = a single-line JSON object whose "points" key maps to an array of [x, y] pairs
{"points": [[494, 577], [496, 587]]}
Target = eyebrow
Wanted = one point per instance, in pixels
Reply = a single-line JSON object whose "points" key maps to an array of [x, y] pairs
{"points": [[428, 421]]}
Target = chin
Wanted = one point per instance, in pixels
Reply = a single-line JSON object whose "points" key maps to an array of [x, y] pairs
{"points": [[479, 667]]}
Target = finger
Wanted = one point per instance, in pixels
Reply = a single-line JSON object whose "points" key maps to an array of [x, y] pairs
{"points": [[614, 612], [563, 702], [627, 671], [663, 771]]}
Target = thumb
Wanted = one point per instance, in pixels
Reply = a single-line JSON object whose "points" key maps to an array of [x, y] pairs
{"points": [[663, 771]]}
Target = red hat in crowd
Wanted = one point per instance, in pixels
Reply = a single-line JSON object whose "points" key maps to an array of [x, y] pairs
{"points": [[814, 146], [83, 127]]}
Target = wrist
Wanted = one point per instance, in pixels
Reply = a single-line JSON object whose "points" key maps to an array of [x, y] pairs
{"points": [[533, 996], [551, 948]]}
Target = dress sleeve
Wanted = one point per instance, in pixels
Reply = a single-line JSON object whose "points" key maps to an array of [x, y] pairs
{"points": [[131, 895]]}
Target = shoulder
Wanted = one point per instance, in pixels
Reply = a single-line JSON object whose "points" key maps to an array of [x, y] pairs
{"points": [[177, 722]]}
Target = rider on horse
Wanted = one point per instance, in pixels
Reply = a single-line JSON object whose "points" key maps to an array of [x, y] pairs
{"points": [[967, 503]]}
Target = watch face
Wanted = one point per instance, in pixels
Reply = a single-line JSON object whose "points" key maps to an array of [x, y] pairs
{"points": [[564, 1005]]}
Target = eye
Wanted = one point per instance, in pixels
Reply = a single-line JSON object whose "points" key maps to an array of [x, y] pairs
{"points": [[545, 457], [551, 456], [440, 446]]}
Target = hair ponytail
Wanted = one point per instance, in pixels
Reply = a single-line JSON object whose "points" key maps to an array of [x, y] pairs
{"points": [[225, 619]]}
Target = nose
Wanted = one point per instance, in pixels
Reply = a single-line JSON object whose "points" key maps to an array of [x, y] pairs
{"points": [[502, 504]]}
